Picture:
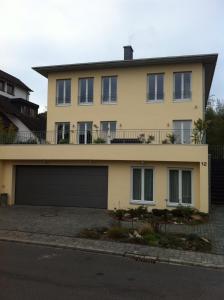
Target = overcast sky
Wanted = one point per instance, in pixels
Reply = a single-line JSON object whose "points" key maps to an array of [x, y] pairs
{"points": [[45, 32]]}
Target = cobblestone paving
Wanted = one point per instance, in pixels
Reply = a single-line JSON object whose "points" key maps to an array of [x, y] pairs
{"points": [[68, 222], [213, 230]]}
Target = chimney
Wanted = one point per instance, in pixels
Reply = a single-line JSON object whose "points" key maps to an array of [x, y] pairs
{"points": [[128, 53]]}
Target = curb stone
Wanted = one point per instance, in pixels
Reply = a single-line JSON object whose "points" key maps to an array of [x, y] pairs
{"points": [[136, 252]]}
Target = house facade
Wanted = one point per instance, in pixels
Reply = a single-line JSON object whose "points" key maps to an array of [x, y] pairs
{"points": [[119, 134]]}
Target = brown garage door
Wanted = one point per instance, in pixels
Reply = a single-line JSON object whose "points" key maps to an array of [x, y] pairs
{"points": [[80, 186]]}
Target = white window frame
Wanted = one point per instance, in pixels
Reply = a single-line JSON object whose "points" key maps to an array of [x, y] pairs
{"points": [[142, 201], [180, 170], [64, 92], [85, 131], [182, 131], [182, 87], [63, 129], [86, 94], [102, 95], [156, 84]]}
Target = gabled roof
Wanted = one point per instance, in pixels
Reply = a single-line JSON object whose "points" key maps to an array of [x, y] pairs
{"points": [[12, 79], [208, 61]]}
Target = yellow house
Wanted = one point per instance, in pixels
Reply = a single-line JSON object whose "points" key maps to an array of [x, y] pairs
{"points": [[119, 134]]}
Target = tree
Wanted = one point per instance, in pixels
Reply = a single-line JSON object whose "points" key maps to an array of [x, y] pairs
{"points": [[7, 134], [215, 115]]}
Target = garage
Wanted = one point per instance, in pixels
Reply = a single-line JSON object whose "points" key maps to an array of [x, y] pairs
{"points": [[79, 186]]}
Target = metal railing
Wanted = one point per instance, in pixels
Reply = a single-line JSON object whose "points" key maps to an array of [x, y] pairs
{"points": [[121, 136]]}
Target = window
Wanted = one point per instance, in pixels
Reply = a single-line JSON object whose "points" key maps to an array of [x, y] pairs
{"points": [[180, 186], [10, 89], [85, 132], [108, 127], [142, 184], [182, 131], [85, 90], [155, 87], [109, 89], [182, 85], [63, 133], [63, 94], [2, 85]]}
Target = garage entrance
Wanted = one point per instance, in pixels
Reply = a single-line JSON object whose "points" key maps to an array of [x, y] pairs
{"points": [[80, 186]]}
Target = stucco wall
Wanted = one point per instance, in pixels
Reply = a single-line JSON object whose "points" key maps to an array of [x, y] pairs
{"points": [[119, 181], [131, 110]]}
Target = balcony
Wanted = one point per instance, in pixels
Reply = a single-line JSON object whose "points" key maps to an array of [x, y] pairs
{"points": [[121, 136]]}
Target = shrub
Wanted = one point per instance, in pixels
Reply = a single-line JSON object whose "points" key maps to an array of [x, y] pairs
{"points": [[183, 212], [146, 229], [152, 239], [99, 140], [119, 214], [64, 141], [159, 212], [117, 232]]}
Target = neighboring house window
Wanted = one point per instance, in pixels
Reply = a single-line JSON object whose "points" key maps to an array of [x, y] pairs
{"points": [[10, 89], [142, 184], [63, 91], [2, 85], [109, 89], [85, 132], [155, 87], [63, 133], [180, 186], [85, 90], [182, 85], [182, 131]]}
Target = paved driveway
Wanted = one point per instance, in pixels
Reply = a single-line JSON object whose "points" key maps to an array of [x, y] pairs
{"points": [[52, 220], [69, 222]]}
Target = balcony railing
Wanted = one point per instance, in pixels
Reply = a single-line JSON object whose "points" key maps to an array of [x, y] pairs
{"points": [[121, 136]]}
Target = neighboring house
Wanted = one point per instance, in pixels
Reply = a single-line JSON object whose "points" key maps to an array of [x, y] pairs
{"points": [[17, 110], [119, 134]]}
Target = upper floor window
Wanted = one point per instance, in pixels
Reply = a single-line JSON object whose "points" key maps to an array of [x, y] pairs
{"points": [[109, 89], [155, 87], [85, 90], [10, 89], [182, 85], [182, 131], [63, 95], [62, 133], [2, 85]]}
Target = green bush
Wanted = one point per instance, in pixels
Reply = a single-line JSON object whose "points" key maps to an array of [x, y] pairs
{"points": [[99, 140], [183, 212], [64, 141], [117, 232], [152, 239], [119, 214]]}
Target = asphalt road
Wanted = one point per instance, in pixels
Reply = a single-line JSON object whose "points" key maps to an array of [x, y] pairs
{"points": [[35, 272]]}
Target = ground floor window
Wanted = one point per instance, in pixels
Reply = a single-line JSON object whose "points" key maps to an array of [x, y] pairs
{"points": [[142, 184], [180, 186]]}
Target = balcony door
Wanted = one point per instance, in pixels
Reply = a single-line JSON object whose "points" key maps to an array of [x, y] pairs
{"points": [[182, 131], [85, 132]]}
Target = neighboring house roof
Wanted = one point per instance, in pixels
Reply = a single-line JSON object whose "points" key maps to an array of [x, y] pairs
{"points": [[12, 79], [26, 102], [208, 60], [34, 124]]}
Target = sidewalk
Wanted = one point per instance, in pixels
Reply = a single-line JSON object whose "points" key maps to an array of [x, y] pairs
{"points": [[138, 252]]}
